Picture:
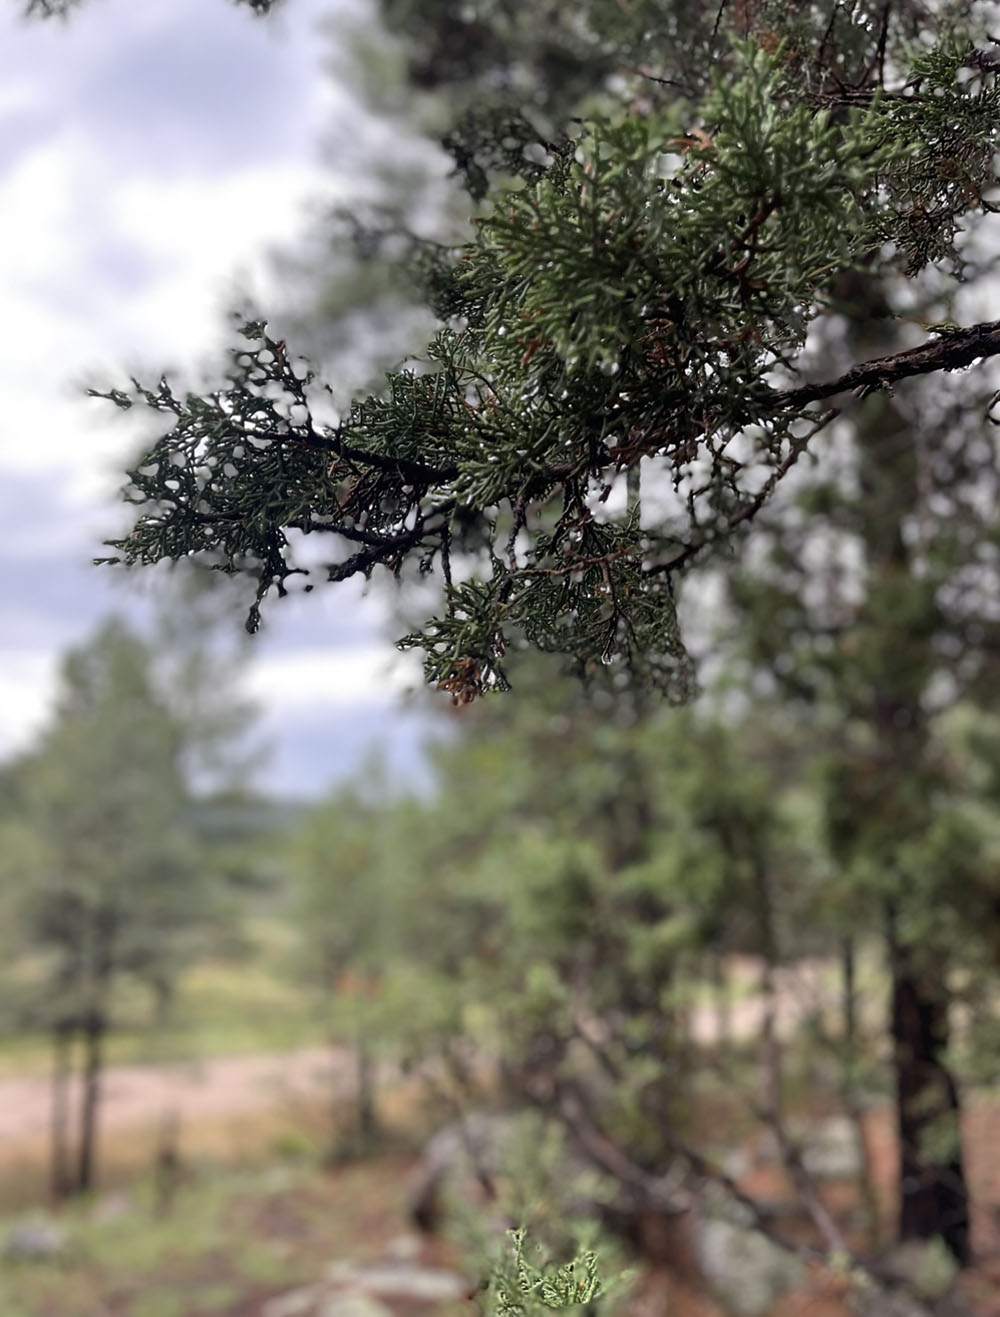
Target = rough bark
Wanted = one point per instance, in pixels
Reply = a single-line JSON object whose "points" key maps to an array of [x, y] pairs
{"points": [[933, 1196], [850, 1095], [94, 1029], [367, 1113], [59, 1171], [897, 780]]}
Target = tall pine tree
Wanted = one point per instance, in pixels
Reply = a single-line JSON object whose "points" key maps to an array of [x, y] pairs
{"points": [[671, 202]]}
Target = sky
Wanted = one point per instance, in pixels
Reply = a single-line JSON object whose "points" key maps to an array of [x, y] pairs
{"points": [[151, 156]]}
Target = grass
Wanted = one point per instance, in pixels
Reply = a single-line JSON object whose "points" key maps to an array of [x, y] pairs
{"points": [[221, 1007], [231, 1240], [294, 1128]]}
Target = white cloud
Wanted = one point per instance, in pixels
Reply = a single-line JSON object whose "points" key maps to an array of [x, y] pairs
{"points": [[326, 680], [210, 239], [111, 251], [144, 172], [27, 682], [61, 323]]}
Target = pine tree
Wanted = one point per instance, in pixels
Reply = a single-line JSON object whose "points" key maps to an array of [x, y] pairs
{"points": [[111, 869], [865, 612], [637, 347], [636, 300], [333, 861], [111, 883]]}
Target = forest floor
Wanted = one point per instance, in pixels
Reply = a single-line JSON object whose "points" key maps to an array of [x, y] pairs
{"points": [[215, 1105], [234, 1239], [233, 1110], [254, 1242], [189, 1091], [230, 1244]]}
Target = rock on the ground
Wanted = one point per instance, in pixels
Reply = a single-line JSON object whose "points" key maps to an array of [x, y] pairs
{"points": [[296, 1303], [394, 1278], [411, 1282], [352, 1303], [350, 1289], [745, 1269], [829, 1147], [405, 1247], [925, 1267], [891, 1303], [36, 1241]]}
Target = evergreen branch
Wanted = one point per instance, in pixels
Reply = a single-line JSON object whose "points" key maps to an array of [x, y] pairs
{"points": [[661, 1191], [951, 351], [718, 20], [382, 551], [420, 473], [748, 510], [375, 541], [573, 565], [606, 313]]}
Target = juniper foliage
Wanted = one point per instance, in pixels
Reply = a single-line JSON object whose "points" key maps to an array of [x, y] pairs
{"points": [[620, 379], [521, 1288]]}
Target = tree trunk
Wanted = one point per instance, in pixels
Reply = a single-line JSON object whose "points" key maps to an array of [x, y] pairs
{"points": [[62, 1050], [167, 1167], [722, 994], [849, 998], [94, 1029], [367, 1114], [772, 1096], [898, 783], [933, 1195], [95, 1026], [849, 1090]]}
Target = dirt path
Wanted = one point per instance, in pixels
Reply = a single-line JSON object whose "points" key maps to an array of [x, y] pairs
{"points": [[141, 1096], [137, 1096]]}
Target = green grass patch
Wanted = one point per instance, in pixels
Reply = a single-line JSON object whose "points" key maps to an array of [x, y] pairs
{"points": [[221, 1007], [230, 1240]]}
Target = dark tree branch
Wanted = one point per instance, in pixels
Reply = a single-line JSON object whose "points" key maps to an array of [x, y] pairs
{"points": [[664, 1192], [386, 552], [804, 1187], [952, 351], [420, 473], [661, 1191], [748, 510]]}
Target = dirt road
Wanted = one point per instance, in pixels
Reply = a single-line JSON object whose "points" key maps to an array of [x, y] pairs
{"points": [[137, 1096], [212, 1090]]}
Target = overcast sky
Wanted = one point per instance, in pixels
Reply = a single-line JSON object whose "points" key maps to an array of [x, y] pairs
{"points": [[150, 154]]}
